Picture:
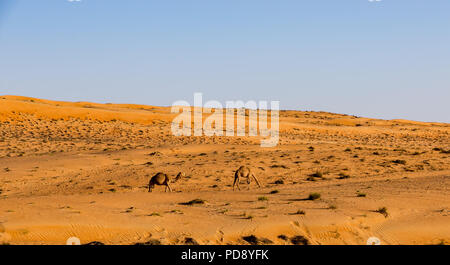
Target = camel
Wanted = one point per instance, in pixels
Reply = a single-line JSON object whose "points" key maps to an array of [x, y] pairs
{"points": [[162, 179], [244, 172], [179, 176]]}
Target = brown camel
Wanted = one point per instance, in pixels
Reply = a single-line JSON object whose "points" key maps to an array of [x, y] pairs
{"points": [[162, 179], [244, 172]]}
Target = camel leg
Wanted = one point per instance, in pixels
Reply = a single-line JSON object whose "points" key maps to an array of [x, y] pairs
{"points": [[257, 182], [168, 186], [236, 182]]}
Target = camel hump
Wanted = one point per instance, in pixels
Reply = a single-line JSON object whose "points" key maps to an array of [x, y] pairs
{"points": [[243, 168], [159, 175], [243, 171], [159, 178]]}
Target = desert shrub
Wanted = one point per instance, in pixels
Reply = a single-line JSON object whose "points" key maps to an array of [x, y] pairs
{"points": [[190, 241], [300, 212], [279, 182], [283, 237], [193, 202], [317, 174], [299, 240], [95, 243], [279, 166], [151, 242], [314, 196], [155, 214], [253, 240], [343, 176], [383, 211], [249, 217]]}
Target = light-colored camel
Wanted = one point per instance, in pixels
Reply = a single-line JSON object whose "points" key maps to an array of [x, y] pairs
{"points": [[162, 179], [244, 172]]}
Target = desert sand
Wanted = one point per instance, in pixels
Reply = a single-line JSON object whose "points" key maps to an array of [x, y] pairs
{"points": [[82, 169]]}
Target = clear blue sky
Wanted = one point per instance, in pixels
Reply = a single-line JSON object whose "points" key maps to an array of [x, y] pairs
{"points": [[388, 59]]}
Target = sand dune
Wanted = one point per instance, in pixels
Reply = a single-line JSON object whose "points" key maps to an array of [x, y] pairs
{"points": [[82, 169]]}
